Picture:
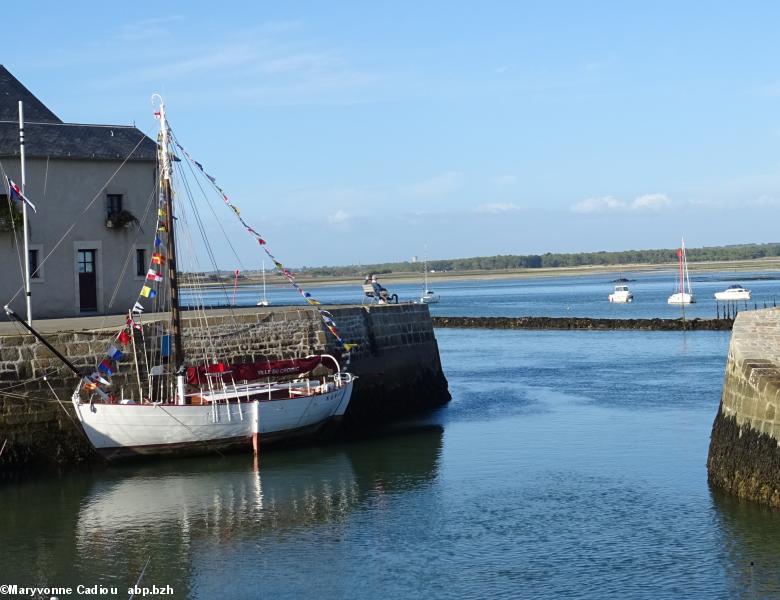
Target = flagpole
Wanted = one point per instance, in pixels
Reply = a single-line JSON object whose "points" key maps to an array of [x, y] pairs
{"points": [[27, 292]]}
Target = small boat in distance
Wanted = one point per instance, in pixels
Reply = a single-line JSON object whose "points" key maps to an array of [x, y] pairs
{"points": [[428, 296], [733, 292], [264, 300], [621, 295], [680, 296]]}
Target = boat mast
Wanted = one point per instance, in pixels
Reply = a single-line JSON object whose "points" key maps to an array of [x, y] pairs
{"points": [[687, 275], [682, 282], [264, 296], [165, 186], [27, 292]]}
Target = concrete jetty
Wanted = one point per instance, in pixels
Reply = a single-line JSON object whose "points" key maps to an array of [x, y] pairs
{"points": [[583, 323], [397, 362], [744, 456]]}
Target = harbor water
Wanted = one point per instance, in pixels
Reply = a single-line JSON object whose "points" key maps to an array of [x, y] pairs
{"points": [[568, 464]]}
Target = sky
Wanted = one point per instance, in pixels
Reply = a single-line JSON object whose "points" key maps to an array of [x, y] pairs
{"points": [[362, 132]]}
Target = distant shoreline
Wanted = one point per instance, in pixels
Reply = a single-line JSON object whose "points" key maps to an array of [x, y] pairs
{"points": [[274, 281]]}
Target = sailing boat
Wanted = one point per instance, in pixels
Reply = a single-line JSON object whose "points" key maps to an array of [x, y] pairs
{"points": [[428, 296], [264, 300], [177, 402], [680, 296]]}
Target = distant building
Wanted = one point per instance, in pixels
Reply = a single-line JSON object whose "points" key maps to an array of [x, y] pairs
{"points": [[73, 177]]}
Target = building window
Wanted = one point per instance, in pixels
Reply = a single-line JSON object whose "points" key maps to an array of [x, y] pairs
{"points": [[113, 204], [34, 264], [140, 262], [86, 261]]}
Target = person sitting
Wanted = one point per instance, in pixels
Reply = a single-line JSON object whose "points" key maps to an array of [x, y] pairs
{"points": [[382, 293]]}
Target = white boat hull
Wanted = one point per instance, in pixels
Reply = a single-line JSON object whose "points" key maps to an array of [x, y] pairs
{"points": [[621, 298], [727, 296], [117, 430], [681, 298]]}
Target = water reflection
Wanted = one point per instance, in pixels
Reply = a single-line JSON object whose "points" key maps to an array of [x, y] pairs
{"points": [[102, 528], [749, 539]]}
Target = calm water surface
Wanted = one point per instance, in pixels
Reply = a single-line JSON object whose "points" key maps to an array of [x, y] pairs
{"points": [[580, 296], [568, 464]]}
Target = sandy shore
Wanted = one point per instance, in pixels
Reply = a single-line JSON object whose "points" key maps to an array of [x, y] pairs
{"points": [[764, 264]]}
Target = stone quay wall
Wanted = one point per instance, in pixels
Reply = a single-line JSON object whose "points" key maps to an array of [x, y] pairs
{"points": [[396, 361], [744, 456]]}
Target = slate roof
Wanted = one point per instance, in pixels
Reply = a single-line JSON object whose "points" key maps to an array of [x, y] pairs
{"points": [[45, 135], [66, 140], [11, 91]]}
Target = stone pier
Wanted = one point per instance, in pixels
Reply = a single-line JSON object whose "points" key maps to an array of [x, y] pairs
{"points": [[744, 456], [397, 362]]}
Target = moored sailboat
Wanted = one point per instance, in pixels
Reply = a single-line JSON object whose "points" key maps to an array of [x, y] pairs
{"points": [[264, 300], [428, 296], [680, 295], [171, 401]]}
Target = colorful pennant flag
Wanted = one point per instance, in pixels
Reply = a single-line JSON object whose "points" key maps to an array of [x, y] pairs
{"points": [[148, 292], [153, 275], [96, 377], [106, 367], [123, 337], [114, 353], [158, 259]]}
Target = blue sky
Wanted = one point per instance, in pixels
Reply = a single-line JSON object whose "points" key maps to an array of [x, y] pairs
{"points": [[363, 132]]}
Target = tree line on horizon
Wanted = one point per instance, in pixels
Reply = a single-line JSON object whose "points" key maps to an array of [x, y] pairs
{"points": [[555, 259]]}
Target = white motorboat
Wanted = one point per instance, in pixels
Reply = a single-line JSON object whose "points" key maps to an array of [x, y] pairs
{"points": [[680, 295], [733, 292], [621, 295]]}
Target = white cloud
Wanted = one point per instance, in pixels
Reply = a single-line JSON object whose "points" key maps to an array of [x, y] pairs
{"points": [[339, 216], [505, 180], [494, 208], [440, 185], [650, 202], [647, 202], [766, 200], [147, 29], [598, 205]]}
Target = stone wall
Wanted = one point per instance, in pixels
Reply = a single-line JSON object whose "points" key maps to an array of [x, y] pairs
{"points": [[744, 457], [397, 362]]}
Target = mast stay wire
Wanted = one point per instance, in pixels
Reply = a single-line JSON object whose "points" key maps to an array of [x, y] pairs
{"points": [[211, 208]]}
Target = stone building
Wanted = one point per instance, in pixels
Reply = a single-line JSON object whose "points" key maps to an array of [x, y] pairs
{"points": [[90, 239]]}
